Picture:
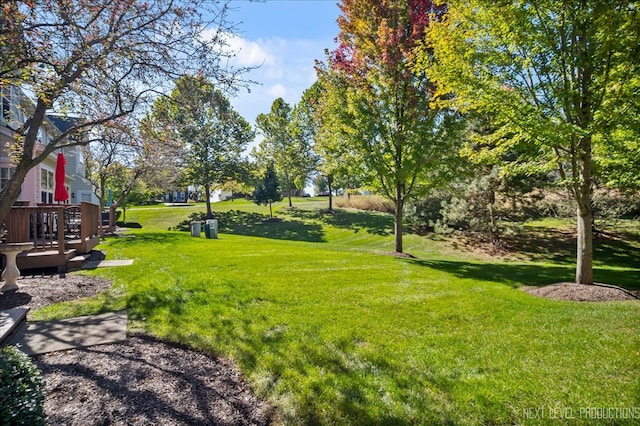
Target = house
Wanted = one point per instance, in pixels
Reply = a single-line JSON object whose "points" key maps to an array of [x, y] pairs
{"points": [[59, 231], [80, 188]]}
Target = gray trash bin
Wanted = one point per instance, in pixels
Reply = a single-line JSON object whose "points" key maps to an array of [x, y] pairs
{"points": [[195, 229], [213, 228]]}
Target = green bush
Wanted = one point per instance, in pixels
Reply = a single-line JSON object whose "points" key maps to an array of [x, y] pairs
{"points": [[21, 389], [424, 214], [610, 204]]}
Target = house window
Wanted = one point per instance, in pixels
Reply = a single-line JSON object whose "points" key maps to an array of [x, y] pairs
{"points": [[5, 117], [46, 186], [5, 175]]}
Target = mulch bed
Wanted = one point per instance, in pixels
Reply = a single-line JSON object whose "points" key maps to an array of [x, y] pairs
{"points": [[582, 292], [145, 381], [36, 291]]}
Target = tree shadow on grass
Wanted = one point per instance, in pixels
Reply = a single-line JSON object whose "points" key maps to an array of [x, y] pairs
{"points": [[617, 250], [258, 225], [547, 245], [164, 238], [518, 274], [345, 374], [252, 336], [372, 222]]}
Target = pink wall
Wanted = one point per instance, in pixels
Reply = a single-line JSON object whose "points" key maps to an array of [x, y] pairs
{"points": [[29, 187]]}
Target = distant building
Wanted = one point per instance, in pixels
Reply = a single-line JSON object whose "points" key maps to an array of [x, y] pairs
{"points": [[80, 188], [176, 196], [195, 193]]}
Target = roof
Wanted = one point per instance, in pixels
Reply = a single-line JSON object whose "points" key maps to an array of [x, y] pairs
{"points": [[64, 123]]}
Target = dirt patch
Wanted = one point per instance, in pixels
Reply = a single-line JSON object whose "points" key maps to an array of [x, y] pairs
{"points": [[582, 292], [400, 255], [142, 381]]}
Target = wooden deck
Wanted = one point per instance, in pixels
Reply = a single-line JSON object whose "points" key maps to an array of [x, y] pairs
{"points": [[59, 233]]}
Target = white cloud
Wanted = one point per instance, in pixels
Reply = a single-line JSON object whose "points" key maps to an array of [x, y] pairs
{"points": [[277, 91], [288, 71], [250, 53]]}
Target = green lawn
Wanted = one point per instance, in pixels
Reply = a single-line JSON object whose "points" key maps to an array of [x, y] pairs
{"points": [[333, 330]]}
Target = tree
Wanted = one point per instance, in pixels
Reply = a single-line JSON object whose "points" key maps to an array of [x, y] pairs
{"points": [[124, 156], [100, 61], [399, 137], [556, 77], [320, 183], [304, 124], [268, 190], [213, 134], [286, 145], [618, 159], [336, 141]]}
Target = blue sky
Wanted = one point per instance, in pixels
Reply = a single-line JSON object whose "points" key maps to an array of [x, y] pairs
{"points": [[285, 37]]}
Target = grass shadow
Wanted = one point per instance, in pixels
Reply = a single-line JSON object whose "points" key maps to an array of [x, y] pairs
{"points": [[372, 222], [551, 245], [518, 274], [267, 348], [620, 250], [135, 225], [258, 225], [164, 238]]}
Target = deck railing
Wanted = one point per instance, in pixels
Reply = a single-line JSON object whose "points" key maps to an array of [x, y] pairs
{"points": [[91, 218], [48, 226]]}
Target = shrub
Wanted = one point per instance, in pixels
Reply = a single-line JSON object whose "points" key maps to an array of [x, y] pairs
{"points": [[21, 389], [549, 203], [610, 204], [424, 214], [477, 208]]}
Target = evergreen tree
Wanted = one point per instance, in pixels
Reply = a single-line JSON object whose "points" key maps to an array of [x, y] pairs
{"points": [[268, 190]]}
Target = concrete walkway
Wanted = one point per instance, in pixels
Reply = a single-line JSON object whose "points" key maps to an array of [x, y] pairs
{"points": [[93, 264], [11, 322], [80, 332]]}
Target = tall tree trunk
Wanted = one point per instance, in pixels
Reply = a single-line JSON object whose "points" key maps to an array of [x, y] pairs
{"points": [[286, 177], [493, 231], [11, 192], [583, 106], [207, 194], [584, 264], [397, 228], [329, 182], [270, 210]]}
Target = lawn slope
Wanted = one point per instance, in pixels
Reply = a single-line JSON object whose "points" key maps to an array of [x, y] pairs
{"points": [[333, 330]]}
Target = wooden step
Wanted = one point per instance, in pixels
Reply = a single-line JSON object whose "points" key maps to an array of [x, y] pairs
{"points": [[77, 261], [44, 259], [11, 321]]}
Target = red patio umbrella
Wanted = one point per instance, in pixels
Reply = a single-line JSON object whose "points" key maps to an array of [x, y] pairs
{"points": [[60, 193]]}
